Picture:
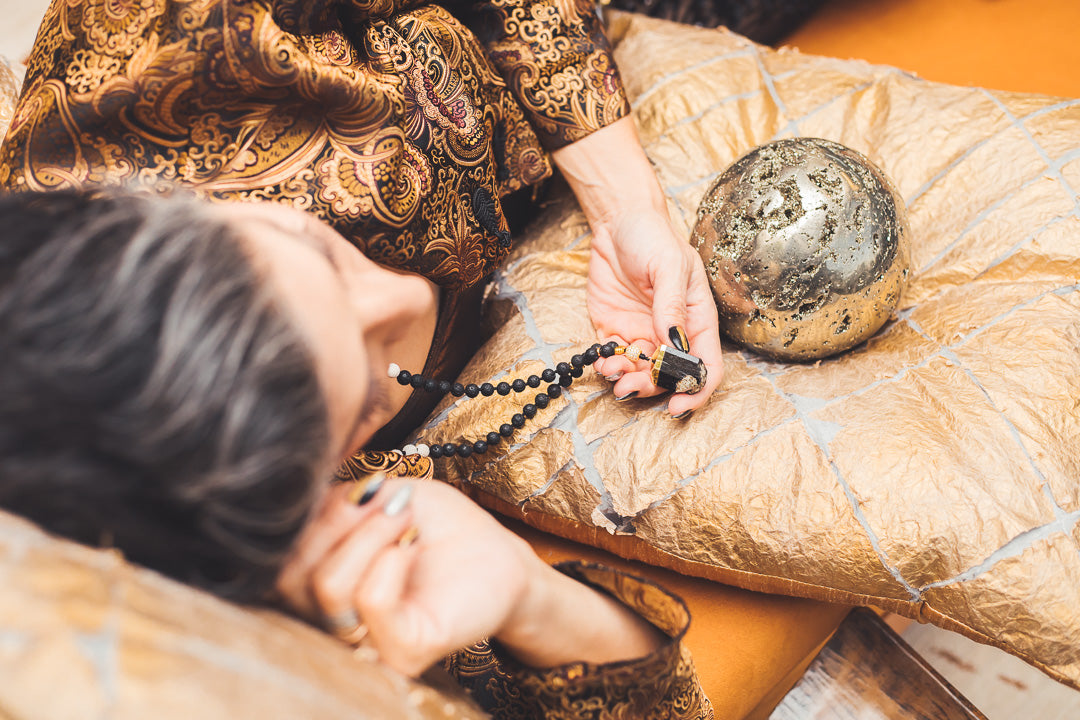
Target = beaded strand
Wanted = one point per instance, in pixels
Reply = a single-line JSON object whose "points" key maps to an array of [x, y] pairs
{"points": [[559, 378]]}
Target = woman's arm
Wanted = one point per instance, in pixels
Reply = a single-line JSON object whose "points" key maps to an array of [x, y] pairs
{"points": [[465, 578], [643, 279]]}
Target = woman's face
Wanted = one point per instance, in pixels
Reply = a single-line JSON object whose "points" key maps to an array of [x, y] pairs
{"points": [[355, 316]]}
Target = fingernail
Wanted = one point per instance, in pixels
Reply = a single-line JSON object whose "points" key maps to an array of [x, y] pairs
{"points": [[398, 501], [409, 536], [363, 490], [627, 396], [684, 415], [613, 378], [678, 338]]}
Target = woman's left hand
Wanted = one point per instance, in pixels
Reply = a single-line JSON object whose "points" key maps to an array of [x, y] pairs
{"points": [[643, 279], [642, 282]]}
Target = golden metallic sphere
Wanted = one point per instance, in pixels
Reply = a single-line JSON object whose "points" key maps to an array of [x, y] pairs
{"points": [[806, 245]]}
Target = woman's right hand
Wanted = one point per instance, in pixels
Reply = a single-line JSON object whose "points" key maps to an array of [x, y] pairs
{"points": [[460, 581], [464, 579]]}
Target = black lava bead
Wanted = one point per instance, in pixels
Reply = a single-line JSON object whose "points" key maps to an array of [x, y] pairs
{"points": [[608, 349], [430, 386], [548, 375], [541, 401], [416, 381], [457, 389], [554, 390], [403, 377], [533, 381], [518, 385], [591, 356], [518, 420], [479, 447], [448, 450], [565, 380], [487, 389], [472, 390], [576, 372], [465, 450], [577, 361], [563, 369], [503, 388], [506, 429], [493, 438], [444, 386], [529, 410], [436, 451]]}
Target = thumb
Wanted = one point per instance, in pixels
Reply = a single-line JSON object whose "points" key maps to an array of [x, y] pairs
{"points": [[669, 303]]}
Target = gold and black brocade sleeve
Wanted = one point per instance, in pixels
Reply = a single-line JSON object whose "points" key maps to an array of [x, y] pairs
{"points": [[556, 60], [661, 686]]}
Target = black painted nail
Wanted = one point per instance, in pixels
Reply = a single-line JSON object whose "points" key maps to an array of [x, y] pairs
{"points": [[684, 415], [678, 338], [627, 396], [363, 490]]}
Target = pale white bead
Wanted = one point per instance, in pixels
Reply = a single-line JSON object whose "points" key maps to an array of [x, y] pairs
{"points": [[409, 449], [423, 449], [394, 370]]}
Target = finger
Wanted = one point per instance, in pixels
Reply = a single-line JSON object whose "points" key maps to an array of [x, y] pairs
{"points": [[614, 367], [394, 626], [334, 580], [635, 385], [669, 300], [705, 343], [637, 382], [333, 521]]}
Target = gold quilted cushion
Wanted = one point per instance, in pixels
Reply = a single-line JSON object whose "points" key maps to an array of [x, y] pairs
{"points": [[933, 471], [84, 634]]}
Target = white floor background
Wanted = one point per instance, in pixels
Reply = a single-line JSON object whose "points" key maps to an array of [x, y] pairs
{"points": [[1003, 687]]}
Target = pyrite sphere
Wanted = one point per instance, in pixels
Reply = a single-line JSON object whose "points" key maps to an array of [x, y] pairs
{"points": [[806, 245]]}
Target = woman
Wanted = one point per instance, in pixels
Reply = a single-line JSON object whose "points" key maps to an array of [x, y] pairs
{"points": [[405, 125], [177, 385]]}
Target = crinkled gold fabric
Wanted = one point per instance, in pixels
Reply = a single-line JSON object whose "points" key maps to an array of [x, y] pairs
{"points": [[932, 471], [85, 634]]}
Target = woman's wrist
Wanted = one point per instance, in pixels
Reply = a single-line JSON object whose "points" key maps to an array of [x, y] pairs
{"points": [[561, 621], [611, 176]]}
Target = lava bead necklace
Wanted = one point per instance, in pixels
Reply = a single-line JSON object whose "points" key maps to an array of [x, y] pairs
{"points": [[672, 369]]}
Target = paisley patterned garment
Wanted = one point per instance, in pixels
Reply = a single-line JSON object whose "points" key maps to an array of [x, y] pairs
{"points": [[389, 119]]}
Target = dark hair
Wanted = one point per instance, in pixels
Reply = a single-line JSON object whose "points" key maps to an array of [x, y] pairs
{"points": [[153, 397]]}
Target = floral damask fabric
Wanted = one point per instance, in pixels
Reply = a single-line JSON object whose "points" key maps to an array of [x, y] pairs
{"points": [[392, 462], [388, 119], [662, 686]]}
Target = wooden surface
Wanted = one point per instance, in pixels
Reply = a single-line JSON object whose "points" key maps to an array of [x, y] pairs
{"points": [[1020, 45], [867, 672]]}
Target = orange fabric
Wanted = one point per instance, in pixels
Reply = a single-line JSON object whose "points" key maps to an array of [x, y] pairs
{"points": [[1019, 45], [744, 644]]}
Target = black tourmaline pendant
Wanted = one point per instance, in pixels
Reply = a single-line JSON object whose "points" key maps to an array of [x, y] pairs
{"points": [[673, 369]]}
